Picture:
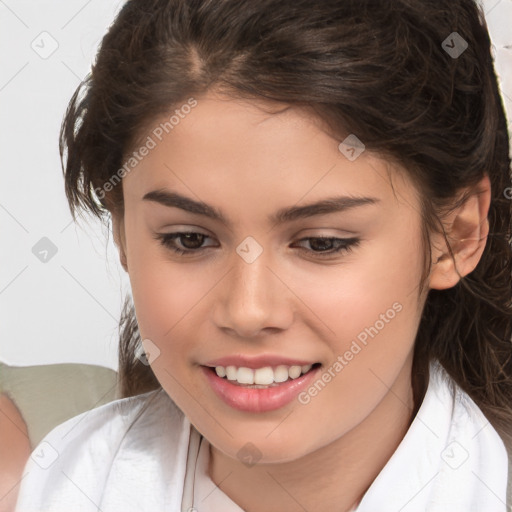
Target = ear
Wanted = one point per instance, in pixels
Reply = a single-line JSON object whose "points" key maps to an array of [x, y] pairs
{"points": [[119, 238], [467, 229]]}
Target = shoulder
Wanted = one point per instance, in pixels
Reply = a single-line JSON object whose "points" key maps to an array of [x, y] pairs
{"points": [[467, 421], [451, 458], [450, 410], [124, 443], [105, 427], [474, 458]]}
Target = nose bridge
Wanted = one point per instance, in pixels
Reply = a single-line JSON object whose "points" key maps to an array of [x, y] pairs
{"points": [[253, 298], [249, 281]]}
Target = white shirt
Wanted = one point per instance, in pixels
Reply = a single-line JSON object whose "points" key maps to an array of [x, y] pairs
{"points": [[141, 454]]}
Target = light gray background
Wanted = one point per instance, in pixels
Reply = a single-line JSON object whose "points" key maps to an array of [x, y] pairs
{"points": [[67, 308]]}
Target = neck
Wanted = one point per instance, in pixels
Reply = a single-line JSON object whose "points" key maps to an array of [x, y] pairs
{"points": [[343, 469]]}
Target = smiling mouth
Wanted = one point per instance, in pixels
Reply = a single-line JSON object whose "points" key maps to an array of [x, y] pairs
{"points": [[262, 378], [255, 397]]}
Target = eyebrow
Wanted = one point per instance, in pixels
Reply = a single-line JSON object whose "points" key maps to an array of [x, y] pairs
{"points": [[323, 207]]}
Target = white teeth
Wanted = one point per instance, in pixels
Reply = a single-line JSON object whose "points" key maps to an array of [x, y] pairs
{"points": [[220, 371], [295, 372], [262, 376], [230, 372], [281, 373], [245, 375]]}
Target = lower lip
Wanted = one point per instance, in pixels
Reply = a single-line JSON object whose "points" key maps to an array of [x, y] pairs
{"points": [[257, 399]]}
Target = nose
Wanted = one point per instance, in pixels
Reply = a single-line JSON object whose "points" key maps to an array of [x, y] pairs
{"points": [[253, 299]]}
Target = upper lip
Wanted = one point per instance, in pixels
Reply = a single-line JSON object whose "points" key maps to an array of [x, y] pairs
{"points": [[255, 362]]}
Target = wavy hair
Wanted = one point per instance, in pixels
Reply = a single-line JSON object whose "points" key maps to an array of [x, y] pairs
{"points": [[376, 68]]}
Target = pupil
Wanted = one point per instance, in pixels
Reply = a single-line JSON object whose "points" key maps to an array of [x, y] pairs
{"points": [[187, 237], [321, 243]]}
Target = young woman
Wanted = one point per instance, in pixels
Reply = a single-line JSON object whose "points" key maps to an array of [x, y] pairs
{"points": [[310, 201]]}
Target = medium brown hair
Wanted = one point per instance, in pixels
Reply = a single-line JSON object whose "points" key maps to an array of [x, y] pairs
{"points": [[377, 69]]}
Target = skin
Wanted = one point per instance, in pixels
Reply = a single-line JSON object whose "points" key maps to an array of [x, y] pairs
{"points": [[248, 162], [14, 452]]}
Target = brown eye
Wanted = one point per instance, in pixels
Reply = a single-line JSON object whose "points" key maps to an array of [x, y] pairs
{"points": [[183, 242], [191, 240], [328, 246]]}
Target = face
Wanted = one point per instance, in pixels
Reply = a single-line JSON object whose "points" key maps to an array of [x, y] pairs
{"points": [[268, 281]]}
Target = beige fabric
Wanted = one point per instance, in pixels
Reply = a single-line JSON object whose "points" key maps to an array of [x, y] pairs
{"points": [[48, 395]]}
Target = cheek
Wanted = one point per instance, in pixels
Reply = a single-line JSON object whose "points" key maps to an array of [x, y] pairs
{"points": [[365, 289], [168, 301], [368, 309], [376, 316], [165, 294]]}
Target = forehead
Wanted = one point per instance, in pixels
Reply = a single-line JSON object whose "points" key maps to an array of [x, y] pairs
{"points": [[251, 148]]}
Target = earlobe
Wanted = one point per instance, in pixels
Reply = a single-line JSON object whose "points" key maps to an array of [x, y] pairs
{"points": [[119, 239], [467, 230]]}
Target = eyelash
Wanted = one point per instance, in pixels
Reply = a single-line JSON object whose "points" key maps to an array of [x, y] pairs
{"points": [[345, 244]]}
